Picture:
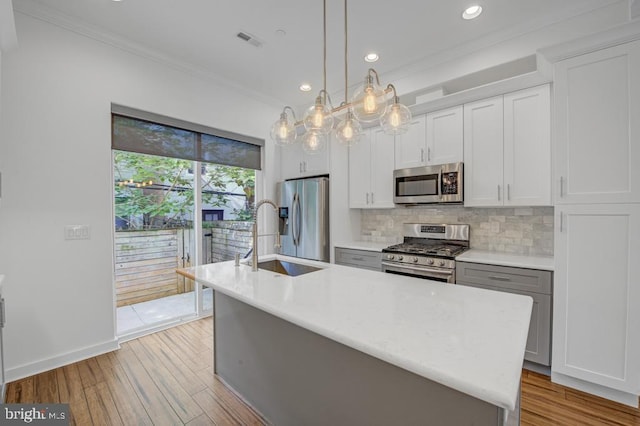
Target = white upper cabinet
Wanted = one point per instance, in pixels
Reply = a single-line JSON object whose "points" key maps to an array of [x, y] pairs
{"points": [[434, 138], [445, 131], [298, 164], [483, 152], [411, 146], [597, 127], [371, 163], [507, 149], [527, 147]]}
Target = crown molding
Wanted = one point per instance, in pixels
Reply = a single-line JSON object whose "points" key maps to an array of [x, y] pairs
{"points": [[619, 34], [54, 17]]}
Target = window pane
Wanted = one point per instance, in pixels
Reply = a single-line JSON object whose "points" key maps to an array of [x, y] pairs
{"points": [[220, 150], [150, 138]]}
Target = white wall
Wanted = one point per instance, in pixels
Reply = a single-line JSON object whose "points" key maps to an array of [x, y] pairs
{"points": [[55, 158]]}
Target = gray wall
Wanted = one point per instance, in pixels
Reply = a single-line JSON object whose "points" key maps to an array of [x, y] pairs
{"points": [[524, 230]]}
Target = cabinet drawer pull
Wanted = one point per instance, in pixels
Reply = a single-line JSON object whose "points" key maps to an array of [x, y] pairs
{"points": [[499, 278], [498, 192], [358, 259], [422, 155]]}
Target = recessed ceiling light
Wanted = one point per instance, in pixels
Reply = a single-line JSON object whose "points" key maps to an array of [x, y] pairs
{"points": [[371, 57], [281, 33], [305, 87], [472, 12]]}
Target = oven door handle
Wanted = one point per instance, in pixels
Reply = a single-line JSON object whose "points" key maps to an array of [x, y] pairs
{"points": [[417, 270], [440, 183]]}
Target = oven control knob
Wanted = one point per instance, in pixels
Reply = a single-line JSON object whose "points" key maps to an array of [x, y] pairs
{"points": [[390, 256], [430, 261], [400, 257], [415, 260], [441, 263]]}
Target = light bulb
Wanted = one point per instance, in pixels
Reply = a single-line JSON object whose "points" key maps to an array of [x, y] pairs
{"points": [[349, 131], [283, 132], [318, 117], [369, 102], [314, 142], [396, 119]]}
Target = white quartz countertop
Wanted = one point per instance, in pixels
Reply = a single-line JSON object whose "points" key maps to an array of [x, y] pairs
{"points": [[468, 339], [364, 245], [545, 263]]}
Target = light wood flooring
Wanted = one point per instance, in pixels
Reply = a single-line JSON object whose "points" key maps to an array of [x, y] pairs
{"points": [[167, 379]]}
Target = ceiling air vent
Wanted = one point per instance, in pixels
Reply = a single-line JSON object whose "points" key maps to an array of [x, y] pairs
{"points": [[252, 40]]}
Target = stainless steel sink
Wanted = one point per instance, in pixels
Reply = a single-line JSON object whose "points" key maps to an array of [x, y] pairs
{"points": [[286, 268]]}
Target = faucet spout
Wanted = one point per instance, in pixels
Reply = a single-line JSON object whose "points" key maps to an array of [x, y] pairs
{"points": [[254, 254]]}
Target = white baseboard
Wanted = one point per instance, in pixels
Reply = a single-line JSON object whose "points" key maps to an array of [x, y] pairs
{"points": [[538, 368], [595, 389], [37, 367]]}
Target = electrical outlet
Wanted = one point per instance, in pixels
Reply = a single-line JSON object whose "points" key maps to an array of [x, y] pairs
{"points": [[76, 232]]}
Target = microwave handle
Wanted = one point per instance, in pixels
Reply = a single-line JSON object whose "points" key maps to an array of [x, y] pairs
{"points": [[440, 183]]}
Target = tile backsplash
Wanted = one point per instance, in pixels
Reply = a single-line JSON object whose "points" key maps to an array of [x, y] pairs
{"points": [[521, 230]]}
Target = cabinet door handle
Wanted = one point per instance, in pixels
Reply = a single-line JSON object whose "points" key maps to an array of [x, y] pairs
{"points": [[372, 202], [498, 192], [428, 154], [300, 166], [499, 278], [561, 186], [422, 155], [367, 198], [305, 166], [508, 192], [561, 221]]}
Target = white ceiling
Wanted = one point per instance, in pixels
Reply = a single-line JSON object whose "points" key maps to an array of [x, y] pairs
{"points": [[201, 34]]}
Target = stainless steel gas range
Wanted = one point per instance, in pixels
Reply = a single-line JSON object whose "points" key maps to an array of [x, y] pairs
{"points": [[428, 251]]}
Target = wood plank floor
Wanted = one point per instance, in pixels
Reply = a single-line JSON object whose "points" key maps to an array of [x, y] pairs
{"points": [[167, 379]]}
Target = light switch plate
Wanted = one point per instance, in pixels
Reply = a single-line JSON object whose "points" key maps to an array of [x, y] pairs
{"points": [[76, 232]]}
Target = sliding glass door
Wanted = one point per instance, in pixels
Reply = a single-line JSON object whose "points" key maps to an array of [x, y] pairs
{"points": [[181, 198]]}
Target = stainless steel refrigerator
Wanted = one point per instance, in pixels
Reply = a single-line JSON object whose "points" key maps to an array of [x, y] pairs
{"points": [[304, 218]]}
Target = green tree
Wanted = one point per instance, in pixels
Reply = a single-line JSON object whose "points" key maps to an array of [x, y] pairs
{"points": [[157, 192]]}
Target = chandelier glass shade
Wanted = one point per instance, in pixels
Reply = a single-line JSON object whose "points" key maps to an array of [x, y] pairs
{"points": [[397, 117], [283, 131], [369, 101], [319, 117], [314, 142], [349, 130]]}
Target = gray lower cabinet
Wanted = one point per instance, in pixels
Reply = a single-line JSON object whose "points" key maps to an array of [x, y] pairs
{"points": [[530, 282], [364, 259]]}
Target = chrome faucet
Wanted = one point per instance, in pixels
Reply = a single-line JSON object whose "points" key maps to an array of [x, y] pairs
{"points": [[254, 253]]}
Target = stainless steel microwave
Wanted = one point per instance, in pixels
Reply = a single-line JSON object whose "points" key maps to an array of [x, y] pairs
{"points": [[429, 184]]}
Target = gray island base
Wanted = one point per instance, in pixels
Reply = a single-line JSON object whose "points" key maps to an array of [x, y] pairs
{"points": [[294, 376]]}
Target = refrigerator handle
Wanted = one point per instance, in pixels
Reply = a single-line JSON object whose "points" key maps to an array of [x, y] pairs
{"points": [[298, 222], [294, 219]]}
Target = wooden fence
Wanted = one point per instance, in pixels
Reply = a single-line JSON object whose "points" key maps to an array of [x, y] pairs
{"points": [[146, 261]]}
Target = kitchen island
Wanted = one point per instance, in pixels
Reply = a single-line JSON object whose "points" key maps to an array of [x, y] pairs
{"points": [[348, 346]]}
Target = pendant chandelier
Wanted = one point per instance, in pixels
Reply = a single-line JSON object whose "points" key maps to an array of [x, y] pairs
{"points": [[370, 103]]}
